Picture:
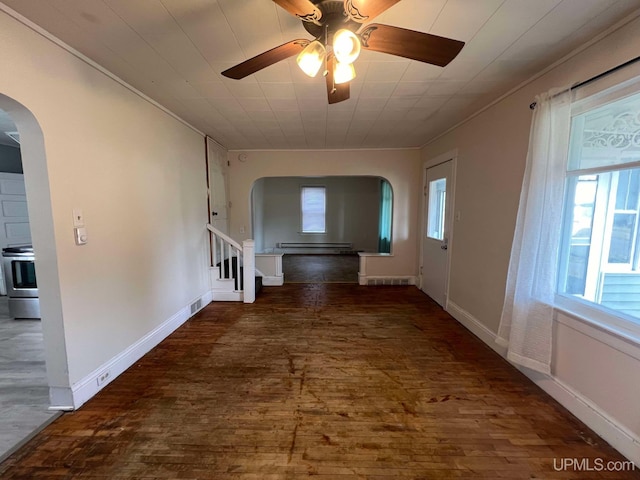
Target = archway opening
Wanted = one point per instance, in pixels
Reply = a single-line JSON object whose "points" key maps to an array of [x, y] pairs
{"points": [[34, 358], [322, 224]]}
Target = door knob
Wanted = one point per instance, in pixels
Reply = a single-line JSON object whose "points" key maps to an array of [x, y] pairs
{"points": [[213, 214], [444, 247]]}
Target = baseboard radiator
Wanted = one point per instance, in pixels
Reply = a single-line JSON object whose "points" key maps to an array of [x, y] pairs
{"points": [[388, 281], [316, 247]]}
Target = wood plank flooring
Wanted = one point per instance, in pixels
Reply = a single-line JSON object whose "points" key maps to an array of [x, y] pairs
{"points": [[330, 381], [320, 268]]}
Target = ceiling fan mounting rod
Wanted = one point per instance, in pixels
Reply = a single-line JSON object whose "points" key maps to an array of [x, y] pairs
{"points": [[333, 16]]}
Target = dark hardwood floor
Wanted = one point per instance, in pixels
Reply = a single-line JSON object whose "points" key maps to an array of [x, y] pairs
{"points": [[320, 268], [333, 381]]}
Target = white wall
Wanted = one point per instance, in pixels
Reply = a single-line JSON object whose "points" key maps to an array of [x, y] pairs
{"points": [[137, 173], [400, 167], [603, 372], [352, 215], [257, 226]]}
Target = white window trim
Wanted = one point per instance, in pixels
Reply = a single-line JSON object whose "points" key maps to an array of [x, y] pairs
{"points": [[600, 317], [604, 319]]}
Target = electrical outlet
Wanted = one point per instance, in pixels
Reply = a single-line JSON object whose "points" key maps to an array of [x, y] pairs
{"points": [[104, 377]]}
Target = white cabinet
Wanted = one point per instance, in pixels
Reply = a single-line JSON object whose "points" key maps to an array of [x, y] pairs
{"points": [[14, 217]]}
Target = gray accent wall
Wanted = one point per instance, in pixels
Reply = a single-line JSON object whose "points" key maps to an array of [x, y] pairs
{"points": [[353, 205]]}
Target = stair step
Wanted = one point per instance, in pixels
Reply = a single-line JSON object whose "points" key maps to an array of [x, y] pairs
{"points": [[238, 284]]}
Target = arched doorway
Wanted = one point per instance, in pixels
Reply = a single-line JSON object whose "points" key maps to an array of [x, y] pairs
{"points": [[322, 224], [39, 368]]}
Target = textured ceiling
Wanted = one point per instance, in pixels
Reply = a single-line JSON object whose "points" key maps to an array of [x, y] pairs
{"points": [[174, 51]]}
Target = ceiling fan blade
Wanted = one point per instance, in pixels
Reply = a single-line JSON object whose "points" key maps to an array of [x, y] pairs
{"points": [[266, 59], [423, 47], [303, 9], [335, 92], [362, 11]]}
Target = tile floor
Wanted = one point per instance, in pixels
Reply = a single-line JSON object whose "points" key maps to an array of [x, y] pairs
{"points": [[24, 394]]}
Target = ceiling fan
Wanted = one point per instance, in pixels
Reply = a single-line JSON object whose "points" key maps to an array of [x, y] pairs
{"points": [[339, 34]]}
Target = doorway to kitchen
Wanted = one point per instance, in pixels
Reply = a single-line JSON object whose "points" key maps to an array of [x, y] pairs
{"points": [[24, 383]]}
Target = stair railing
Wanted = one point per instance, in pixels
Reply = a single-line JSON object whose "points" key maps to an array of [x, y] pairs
{"points": [[232, 259]]}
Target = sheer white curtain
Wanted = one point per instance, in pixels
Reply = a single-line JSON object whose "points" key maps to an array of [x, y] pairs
{"points": [[527, 315]]}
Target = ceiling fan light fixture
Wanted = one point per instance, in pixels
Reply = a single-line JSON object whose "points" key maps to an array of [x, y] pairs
{"points": [[346, 46], [312, 58], [343, 73]]}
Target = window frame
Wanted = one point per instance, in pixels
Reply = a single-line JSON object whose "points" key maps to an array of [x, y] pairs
{"points": [[436, 209], [302, 211], [603, 317]]}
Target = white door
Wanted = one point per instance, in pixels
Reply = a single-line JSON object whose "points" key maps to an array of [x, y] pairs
{"points": [[218, 189], [437, 229]]}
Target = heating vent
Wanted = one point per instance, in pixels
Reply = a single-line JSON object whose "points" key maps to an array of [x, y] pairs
{"points": [[337, 245], [195, 306], [388, 281]]}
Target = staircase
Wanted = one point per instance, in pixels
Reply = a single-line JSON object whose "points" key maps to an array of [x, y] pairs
{"points": [[233, 274], [231, 265]]}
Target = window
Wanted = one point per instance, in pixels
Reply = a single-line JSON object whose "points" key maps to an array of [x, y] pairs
{"points": [[313, 205], [600, 250], [436, 208], [386, 213]]}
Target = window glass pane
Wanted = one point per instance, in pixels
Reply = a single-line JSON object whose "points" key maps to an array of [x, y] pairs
{"points": [[581, 208], [436, 208], [313, 210], [627, 194], [606, 135], [600, 253], [622, 236]]}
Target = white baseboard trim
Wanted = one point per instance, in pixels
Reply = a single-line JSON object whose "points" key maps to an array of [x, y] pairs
{"points": [[207, 298], [272, 281], [88, 386], [599, 421], [61, 398], [224, 296], [476, 327]]}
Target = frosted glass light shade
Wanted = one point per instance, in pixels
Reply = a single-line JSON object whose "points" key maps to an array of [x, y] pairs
{"points": [[343, 73], [311, 58], [346, 46]]}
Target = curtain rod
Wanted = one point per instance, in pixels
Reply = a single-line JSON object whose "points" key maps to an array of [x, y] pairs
{"points": [[597, 77]]}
